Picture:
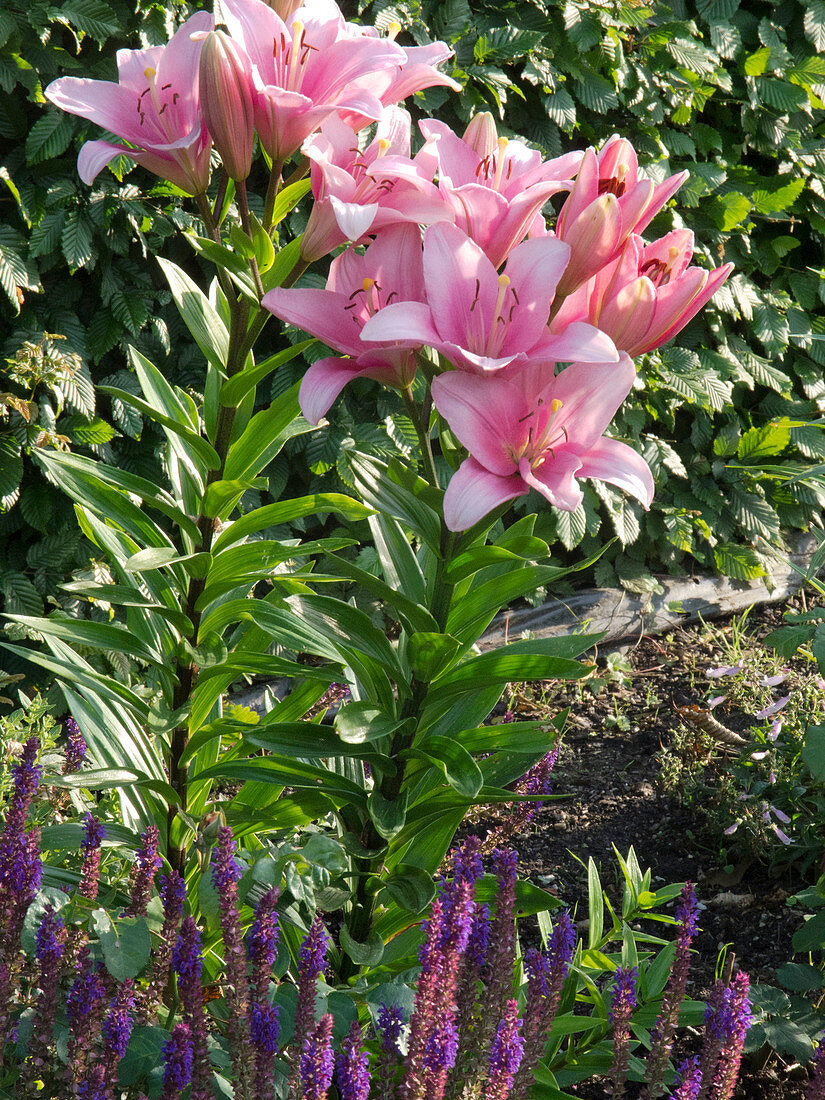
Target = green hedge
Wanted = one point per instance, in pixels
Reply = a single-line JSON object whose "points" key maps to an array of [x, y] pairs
{"points": [[728, 92]]}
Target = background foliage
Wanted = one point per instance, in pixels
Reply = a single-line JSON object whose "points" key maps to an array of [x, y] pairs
{"points": [[732, 93]]}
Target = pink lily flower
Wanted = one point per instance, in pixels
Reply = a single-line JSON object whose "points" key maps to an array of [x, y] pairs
{"points": [[306, 69], [494, 191], [482, 321], [416, 72], [154, 107], [646, 295], [608, 202], [358, 286], [361, 192], [537, 430]]}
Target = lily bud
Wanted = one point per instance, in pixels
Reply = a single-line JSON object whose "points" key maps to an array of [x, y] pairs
{"points": [[227, 98], [594, 238], [481, 134], [285, 8]]}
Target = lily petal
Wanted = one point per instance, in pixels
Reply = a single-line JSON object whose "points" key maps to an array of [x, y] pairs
{"points": [[474, 492], [612, 461], [322, 383]]}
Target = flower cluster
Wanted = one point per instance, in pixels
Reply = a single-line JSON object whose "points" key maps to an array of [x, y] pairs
{"points": [[532, 325]]}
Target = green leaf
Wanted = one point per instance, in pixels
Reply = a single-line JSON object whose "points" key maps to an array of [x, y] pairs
{"points": [[286, 773], [410, 888], [731, 210], [532, 660], [363, 954], [22, 598], [800, 977], [740, 562], [198, 446], [813, 752], [388, 815], [126, 944], [811, 936], [200, 318], [103, 636], [288, 198], [287, 511], [595, 905], [458, 767], [76, 239], [373, 482], [49, 137], [359, 722], [236, 388], [265, 435], [430, 654], [769, 439], [787, 639], [780, 94]]}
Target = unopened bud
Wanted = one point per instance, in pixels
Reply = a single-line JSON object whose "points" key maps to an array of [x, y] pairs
{"points": [[227, 96], [482, 135]]}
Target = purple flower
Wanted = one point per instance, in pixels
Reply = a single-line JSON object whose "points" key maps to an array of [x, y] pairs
{"points": [[226, 871], [774, 681], [390, 1026], [781, 836], [622, 1003], [263, 938], [94, 833], [146, 866], [94, 1085], [86, 992], [265, 1027], [48, 939], [177, 1062], [441, 1046], [117, 1027], [16, 868], [479, 937], [316, 1063], [76, 747], [664, 1030], [506, 1053], [776, 729], [188, 962], [688, 1080], [352, 1067], [766, 712], [312, 958], [729, 670], [727, 1018]]}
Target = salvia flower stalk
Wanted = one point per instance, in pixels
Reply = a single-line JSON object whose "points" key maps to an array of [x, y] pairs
{"points": [[622, 1003], [664, 1029], [94, 833], [226, 871]]}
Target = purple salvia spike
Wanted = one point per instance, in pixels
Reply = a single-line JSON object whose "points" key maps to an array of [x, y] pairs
{"points": [[85, 1007], [76, 748], [177, 1062], [264, 1034], [546, 974], [623, 1001], [688, 1080], [664, 1029], [433, 1036], [146, 866], [16, 875], [172, 894], [316, 1063], [117, 1027], [352, 1067], [262, 946], [518, 815], [226, 872], [734, 1022], [506, 1052], [187, 961], [94, 1086], [49, 942], [501, 953], [94, 834], [389, 1026], [312, 958], [264, 1025]]}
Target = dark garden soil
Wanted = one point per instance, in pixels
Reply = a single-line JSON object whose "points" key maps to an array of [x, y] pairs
{"points": [[609, 773]]}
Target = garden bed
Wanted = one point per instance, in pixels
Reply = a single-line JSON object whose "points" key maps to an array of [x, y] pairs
{"points": [[609, 778]]}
